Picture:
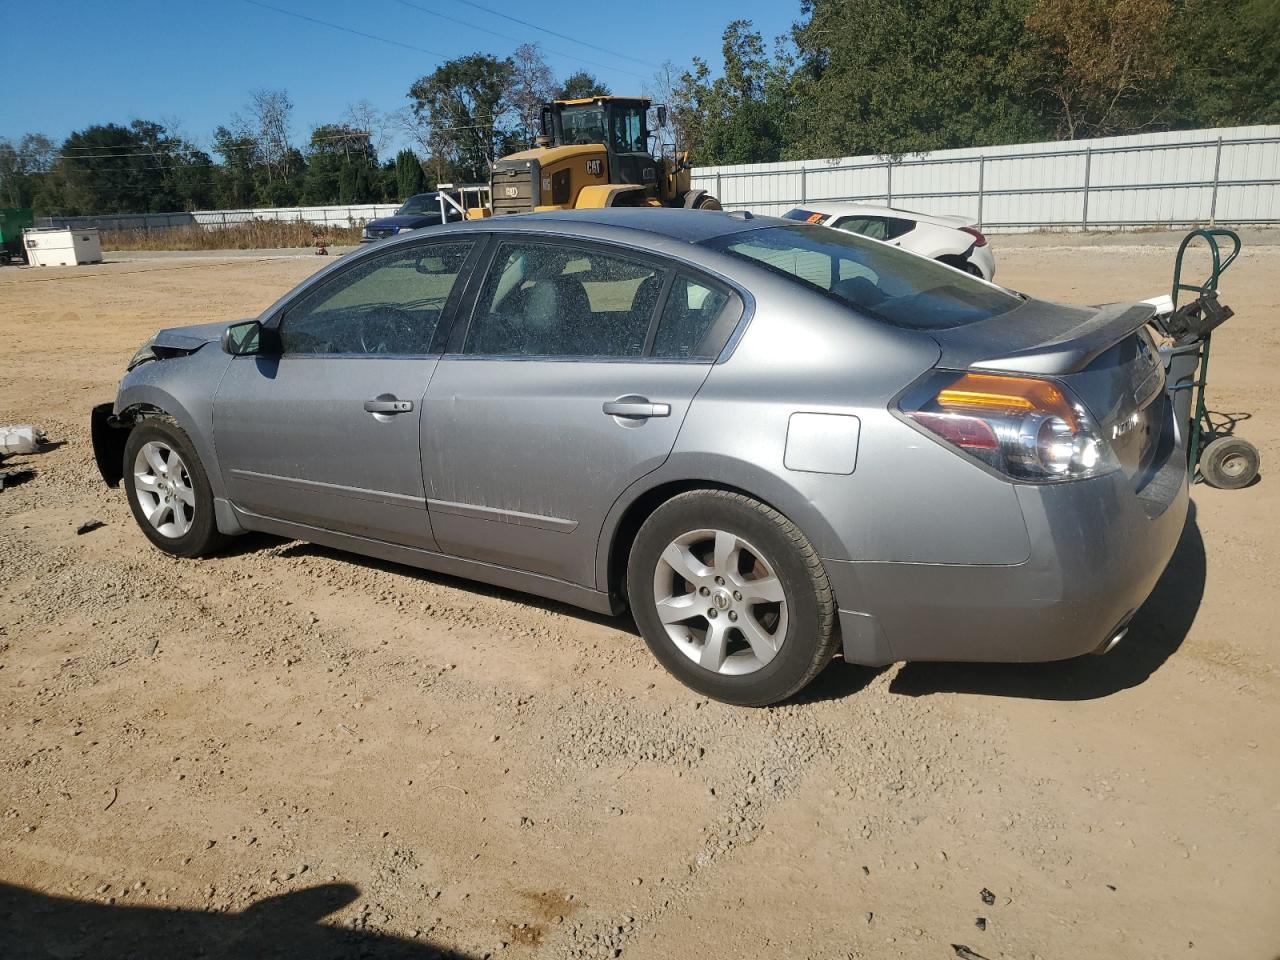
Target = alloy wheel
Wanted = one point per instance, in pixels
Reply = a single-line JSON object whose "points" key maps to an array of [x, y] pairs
{"points": [[164, 490], [720, 601]]}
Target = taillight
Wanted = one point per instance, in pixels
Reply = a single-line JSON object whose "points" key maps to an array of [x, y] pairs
{"points": [[1028, 428], [978, 239]]}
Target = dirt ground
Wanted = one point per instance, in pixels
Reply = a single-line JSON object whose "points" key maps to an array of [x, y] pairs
{"points": [[290, 751]]}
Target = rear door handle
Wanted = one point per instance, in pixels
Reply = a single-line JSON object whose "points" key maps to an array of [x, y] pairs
{"points": [[383, 405], [636, 408]]}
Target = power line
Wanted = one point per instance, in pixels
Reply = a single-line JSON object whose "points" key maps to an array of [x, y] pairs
{"points": [[504, 36], [562, 36], [336, 26]]}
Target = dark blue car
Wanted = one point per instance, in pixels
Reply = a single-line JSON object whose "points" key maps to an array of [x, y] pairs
{"points": [[420, 210]]}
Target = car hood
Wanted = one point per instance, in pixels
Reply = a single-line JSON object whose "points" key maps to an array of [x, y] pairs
{"points": [[407, 220], [191, 338]]}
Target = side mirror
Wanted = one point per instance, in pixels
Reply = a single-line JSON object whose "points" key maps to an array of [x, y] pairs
{"points": [[243, 339], [662, 114]]}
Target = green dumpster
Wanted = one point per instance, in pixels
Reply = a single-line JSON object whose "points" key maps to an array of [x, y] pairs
{"points": [[12, 222]]}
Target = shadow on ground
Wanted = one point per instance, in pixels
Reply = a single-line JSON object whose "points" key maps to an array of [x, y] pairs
{"points": [[1154, 635], [35, 925], [253, 542]]}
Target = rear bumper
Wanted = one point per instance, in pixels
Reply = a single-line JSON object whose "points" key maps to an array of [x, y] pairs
{"points": [[984, 260], [1097, 550]]}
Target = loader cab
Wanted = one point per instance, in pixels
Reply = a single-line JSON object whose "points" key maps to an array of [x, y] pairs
{"points": [[621, 124]]}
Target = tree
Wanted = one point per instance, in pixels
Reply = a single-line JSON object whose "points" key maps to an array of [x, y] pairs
{"points": [[363, 115], [1225, 67], [22, 167], [663, 89], [532, 85], [464, 108], [1096, 62], [738, 117], [336, 155], [271, 111], [139, 168], [409, 176], [233, 183], [184, 171], [900, 76], [580, 85]]}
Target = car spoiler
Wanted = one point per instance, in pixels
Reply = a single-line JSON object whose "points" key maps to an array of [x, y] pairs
{"points": [[1041, 338]]}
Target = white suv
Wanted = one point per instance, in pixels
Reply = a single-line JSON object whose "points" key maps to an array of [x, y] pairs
{"points": [[954, 241]]}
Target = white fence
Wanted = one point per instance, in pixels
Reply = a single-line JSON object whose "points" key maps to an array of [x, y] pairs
{"points": [[345, 216], [1229, 175]]}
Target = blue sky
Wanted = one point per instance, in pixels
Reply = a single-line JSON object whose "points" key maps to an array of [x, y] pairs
{"points": [[113, 60]]}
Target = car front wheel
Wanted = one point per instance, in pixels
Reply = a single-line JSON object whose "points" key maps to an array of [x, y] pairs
{"points": [[168, 490], [731, 597]]}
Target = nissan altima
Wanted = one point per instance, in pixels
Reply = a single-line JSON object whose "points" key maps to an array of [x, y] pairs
{"points": [[775, 442]]}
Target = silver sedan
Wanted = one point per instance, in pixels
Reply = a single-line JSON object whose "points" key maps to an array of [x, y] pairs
{"points": [[775, 442]]}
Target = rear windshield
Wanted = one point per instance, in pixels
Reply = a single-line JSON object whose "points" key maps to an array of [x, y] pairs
{"points": [[804, 216], [875, 279]]}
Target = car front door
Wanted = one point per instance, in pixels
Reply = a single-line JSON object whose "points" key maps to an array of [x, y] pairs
{"points": [[569, 383], [326, 432]]}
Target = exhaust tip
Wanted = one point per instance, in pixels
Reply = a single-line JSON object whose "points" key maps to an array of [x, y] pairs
{"points": [[1108, 645]]}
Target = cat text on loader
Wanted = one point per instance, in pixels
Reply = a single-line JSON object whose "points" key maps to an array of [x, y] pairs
{"points": [[592, 153]]}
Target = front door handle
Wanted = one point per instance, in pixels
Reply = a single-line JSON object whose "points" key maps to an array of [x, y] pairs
{"points": [[636, 408], [385, 405]]}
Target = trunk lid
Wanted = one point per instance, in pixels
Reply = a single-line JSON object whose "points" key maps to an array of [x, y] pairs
{"points": [[1103, 354]]}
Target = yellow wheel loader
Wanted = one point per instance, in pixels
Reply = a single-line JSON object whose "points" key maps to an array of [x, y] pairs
{"points": [[592, 153]]}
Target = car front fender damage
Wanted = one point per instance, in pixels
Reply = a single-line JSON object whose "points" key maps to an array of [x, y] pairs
{"points": [[109, 433]]}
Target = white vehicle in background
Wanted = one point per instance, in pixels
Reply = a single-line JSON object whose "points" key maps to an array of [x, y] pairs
{"points": [[955, 241]]}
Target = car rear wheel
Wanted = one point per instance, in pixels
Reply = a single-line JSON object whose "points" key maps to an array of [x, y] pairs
{"points": [[960, 263], [731, 597], [168, 490]]}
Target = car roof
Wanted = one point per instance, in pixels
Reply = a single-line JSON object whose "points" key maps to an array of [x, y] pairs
{"points": [[690, 226], [845, 208]]}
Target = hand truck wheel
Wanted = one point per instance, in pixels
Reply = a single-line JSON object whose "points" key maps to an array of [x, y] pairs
{"points": [[1229, 463]]}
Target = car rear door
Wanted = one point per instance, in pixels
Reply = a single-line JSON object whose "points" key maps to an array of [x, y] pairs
{"points": [[326, 433], [569, 382]]}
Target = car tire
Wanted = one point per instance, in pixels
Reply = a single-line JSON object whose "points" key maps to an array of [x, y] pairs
{"points": [[168, 490], [1229, 463], [960, 263], [731, 597]]}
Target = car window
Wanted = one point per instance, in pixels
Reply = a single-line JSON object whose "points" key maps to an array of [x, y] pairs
{"points": [[883, 282], [873, 227], [389, 304], [551, 300], [897, 226], [691, 310]]}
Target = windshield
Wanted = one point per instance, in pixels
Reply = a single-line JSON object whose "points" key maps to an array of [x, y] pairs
{"points": [[422, 203], [885, 283], [583, 124]]}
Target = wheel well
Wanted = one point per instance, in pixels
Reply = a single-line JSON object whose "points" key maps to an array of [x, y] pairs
{"points": [[953, 260], [110, 432], [637, 513]]}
